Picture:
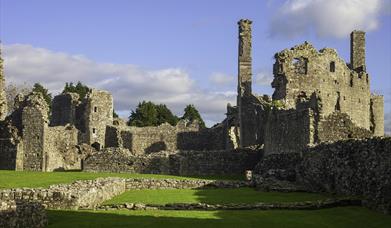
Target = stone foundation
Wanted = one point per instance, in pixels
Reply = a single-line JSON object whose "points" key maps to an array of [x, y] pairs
{"points": [[140, 183], [15, 214], [80, 194], [307, 205]]}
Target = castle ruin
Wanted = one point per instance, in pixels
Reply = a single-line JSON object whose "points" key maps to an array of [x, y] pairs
{"points": [[318, 97]]}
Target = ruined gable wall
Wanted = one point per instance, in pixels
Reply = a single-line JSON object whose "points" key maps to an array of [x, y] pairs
{"points": [[289, 131], [303, 70]]}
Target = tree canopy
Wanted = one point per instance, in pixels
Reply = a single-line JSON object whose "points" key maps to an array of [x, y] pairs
{"points": [[149, 114], [79, 88], [191, 114], [144, 115], [165, 115]]}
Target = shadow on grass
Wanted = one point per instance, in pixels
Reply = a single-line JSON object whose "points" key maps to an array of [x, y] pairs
{"points": [[334, 217], [212, 196]]}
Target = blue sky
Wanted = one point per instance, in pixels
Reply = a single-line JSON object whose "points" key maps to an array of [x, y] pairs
{"points": [[177, 51]]}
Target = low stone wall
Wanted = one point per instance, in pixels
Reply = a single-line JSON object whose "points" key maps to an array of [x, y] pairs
{"points": [[139, 183], [234, 162], [80, 194], [351, 167], [15, 214], [307, 205]]}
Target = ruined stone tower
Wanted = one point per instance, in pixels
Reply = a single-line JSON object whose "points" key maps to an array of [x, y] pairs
{"points": [[3, 99], [98, 113]]}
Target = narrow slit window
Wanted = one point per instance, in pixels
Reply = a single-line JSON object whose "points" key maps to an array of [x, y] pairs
{"points": [[93, 130], [95, 109], [332, 66]]}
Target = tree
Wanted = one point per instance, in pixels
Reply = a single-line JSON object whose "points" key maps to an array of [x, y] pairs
{"points": [[150, 114], [191, 114], [38, 88], [165, 115], [79, 88], [145, 115]]}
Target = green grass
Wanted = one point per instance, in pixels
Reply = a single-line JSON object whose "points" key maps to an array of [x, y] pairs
{"points": [[343, 217], [211, 196], [18, 179]]}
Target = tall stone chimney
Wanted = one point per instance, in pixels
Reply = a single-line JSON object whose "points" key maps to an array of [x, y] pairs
{"points": [[3, 99], [244, 60], [357, 51], [244, 83]]}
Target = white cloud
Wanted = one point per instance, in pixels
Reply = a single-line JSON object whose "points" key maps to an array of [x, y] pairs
{"points": [[221, 79], [264, 78], [335, 18], [129, 84]]}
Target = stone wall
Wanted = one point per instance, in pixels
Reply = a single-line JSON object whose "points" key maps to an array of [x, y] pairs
{"points": [[351, 167], [289, 131], [122, 160], [183, 136], [80, 194], [16, 214], [234, 162], [338, 126], [175, 163]]}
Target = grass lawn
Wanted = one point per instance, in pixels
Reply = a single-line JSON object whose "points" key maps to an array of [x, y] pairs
{"points": [[211, 196], [17, 179], [343, 217]]}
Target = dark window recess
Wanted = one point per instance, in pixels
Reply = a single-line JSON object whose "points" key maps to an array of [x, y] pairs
{"points": [[95, 109], [332, 66], [93, 130]]}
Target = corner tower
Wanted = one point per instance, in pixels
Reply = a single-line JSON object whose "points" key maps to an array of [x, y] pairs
{"points": [[3, 99], [357, 51]]}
